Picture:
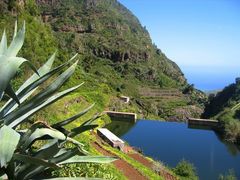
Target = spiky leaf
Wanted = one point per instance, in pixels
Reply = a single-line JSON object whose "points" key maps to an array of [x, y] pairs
{"points": [[27, 91], [71, 119], [3, 44], [8, 142], [33, 160], [16, 43], [88, 159], [17, 121]]}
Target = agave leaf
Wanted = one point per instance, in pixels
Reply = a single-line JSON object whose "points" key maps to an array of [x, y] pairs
{"points": [[84, 126], [74, 141], [81, 129], [42, 71], [15, 30], [61, 151], [90, 121], [8, 68], [3, 44], [63, 130], [41, 97], [51, 143], [32, 67], [33, 160], [12, 104], [10, 170], [72, 178], [71, 119], [27, 113], [64, 156], [6, 108], [8, 143], [2, 172], [49, 150], [40, 133], [46, 152], [16, 43], [43, 132], [88, 159], [28, 133], [64, 150], [9, 90], [31, 172]]}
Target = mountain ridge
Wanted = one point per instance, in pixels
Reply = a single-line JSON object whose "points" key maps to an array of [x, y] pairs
{"points": [[115, 51]]}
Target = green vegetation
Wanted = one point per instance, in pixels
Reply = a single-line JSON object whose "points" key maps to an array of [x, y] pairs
{"points": [[224, 106], [89, 170], [228, 176], [185, 170], [149, 173], [27, 151], [116, 51]]}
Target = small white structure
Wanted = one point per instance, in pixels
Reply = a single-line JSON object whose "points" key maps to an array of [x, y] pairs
{"points": [[110, 138], [125, 99]]}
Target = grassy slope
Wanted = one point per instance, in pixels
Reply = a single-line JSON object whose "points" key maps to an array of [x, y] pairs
{"points": [[224, 107], [117, 51]]}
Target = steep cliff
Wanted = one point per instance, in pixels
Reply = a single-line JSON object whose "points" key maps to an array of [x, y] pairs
{"points": [[115, 50], [225, 106], [106, 29]]}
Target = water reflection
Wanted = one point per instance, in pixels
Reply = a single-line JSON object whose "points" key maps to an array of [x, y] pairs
{"points": [[120, 127], [171, 142], [232, 148]]}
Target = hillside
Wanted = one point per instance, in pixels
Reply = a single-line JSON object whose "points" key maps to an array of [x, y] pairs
{"points": [[225, 107], [116, 52], [114, 46], [104, 29]]}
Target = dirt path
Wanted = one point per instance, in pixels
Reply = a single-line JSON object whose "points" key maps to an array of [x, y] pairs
{"points": [[141, 159], [129, 171], [149, 164]]}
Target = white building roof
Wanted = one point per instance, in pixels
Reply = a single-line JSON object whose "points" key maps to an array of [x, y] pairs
{"points": [[112, 137]]}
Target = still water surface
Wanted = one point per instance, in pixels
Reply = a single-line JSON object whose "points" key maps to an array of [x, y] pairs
{"points": [[171, 142]]}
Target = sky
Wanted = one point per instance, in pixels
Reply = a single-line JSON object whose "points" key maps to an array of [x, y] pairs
{"points": [[201, 36]]}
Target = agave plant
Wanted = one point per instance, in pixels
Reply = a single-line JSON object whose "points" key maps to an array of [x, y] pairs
{"points": [[19, 158]]}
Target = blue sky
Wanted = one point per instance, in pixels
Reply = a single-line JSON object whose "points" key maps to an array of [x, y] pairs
{"points": [[201, 36]]}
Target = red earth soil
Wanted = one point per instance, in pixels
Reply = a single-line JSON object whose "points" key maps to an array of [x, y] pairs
{"points": [[149, 164], [128, 171]]}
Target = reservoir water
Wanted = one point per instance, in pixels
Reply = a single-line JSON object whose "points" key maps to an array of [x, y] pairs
{"points": [[170, 142]]}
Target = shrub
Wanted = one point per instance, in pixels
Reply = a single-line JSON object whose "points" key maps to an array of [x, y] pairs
{"points": [[186, 170], [229, 176], [232, 130]]}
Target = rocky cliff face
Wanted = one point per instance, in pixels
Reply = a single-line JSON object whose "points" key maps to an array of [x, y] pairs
{"points": [[108, 30]]}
